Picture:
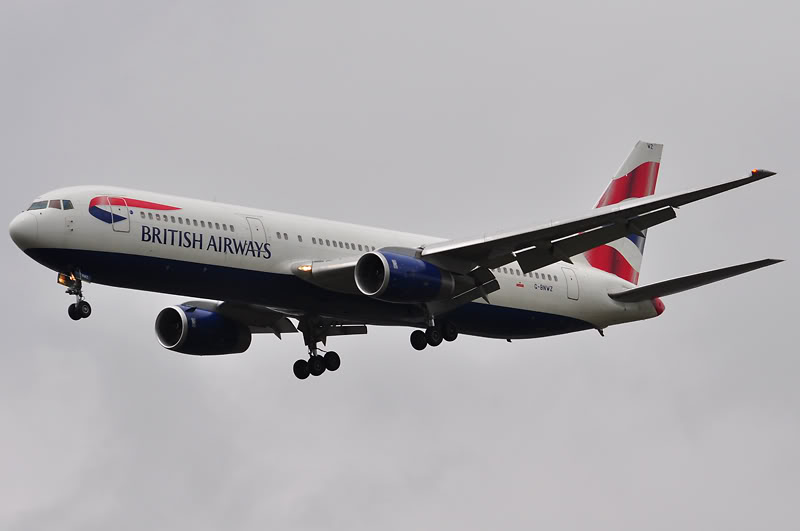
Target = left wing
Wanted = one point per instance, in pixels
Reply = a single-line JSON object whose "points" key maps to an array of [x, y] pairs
{"points": [[547, 244], [259, 319]]}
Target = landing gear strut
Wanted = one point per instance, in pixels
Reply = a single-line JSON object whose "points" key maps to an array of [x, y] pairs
{"points": [[80, 309], [314, 332]]}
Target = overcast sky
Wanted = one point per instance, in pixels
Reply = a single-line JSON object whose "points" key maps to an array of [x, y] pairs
{"points": [[451, 118]]}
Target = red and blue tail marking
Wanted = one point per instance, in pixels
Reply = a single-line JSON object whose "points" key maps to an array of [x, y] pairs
{"points": [[102, 207], [636, 178]]}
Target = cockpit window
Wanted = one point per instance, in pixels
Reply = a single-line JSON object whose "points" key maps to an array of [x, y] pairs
{"points": [[67, 204], [55, 203], [38, 205]]}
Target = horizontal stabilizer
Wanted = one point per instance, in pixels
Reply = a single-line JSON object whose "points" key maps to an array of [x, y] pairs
{"points": [[676, 285]]}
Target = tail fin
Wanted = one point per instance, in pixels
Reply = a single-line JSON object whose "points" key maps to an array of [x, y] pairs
{"points": [[635, 178]]}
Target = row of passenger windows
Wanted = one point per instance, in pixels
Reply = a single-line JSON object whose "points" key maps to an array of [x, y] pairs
{"points": [[53, 203], [329, 243], [181, 221], [517, 272]]}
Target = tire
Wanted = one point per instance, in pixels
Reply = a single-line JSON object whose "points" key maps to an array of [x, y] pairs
{"points": [[300, 369], [73, 312], [449, 332], [84, 310], [332, 361], [316, 365], [433, 336], [418, 340]]}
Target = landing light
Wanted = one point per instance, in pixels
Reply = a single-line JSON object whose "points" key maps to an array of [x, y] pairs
{"points": [[67, 280], [304, 268]]}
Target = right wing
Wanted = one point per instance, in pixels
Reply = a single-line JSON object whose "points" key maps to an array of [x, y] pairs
{"points": [[547, 244]]}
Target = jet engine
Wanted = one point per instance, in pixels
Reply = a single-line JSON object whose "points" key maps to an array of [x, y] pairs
{"points": [[395, 277], [191, 330]]}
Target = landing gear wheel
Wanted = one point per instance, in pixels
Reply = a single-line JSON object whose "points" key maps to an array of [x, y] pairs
{"points": [[449, 332], [418, 340], [301, 369], [433, 336], [316, 365], [73, 312], [332, 361], [84, 310]]}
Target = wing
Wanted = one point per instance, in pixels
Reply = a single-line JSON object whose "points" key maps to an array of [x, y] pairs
{"points": [[259, 319], [547, 244]]}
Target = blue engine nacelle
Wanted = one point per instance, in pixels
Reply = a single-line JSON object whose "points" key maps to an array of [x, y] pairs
{"points": [[395, 277], [191, 330]]}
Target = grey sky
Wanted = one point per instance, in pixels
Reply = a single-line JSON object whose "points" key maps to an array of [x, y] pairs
{"points": [[448, 118]]}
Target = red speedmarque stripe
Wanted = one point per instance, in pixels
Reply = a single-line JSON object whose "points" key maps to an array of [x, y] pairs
{"points": [[135, 203]]}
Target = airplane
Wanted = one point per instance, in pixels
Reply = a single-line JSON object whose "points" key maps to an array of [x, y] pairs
{"points": [[256, 271]]}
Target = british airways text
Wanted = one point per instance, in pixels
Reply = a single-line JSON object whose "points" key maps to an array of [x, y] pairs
{"points": [[195, 240]]}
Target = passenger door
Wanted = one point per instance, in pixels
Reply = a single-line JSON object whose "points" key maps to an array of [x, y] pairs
{"points": [[120, 215], [573, 290]]}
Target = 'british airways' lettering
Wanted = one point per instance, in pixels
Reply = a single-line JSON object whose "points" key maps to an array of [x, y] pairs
{"points": [[194, 240]]}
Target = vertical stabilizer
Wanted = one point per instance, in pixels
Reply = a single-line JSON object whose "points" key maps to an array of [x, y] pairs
{"points": [[635, 178]]}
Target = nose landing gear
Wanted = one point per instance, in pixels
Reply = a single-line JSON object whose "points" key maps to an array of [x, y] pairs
{"points": [[80, 309]]}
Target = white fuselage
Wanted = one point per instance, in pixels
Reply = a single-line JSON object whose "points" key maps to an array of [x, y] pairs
{"points": [[211, 250]]}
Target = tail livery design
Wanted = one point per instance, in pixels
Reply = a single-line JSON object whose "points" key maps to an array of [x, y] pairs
{"points": [[636, 178]]}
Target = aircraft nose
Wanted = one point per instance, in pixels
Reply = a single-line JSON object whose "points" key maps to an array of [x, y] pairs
{"points": [[24, 230]]}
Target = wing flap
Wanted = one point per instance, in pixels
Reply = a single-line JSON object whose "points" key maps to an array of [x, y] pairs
{"points": [[544, 255], [677, 285]]}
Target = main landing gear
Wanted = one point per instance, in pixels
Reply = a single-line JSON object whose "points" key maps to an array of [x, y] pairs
{"points": [[433, 335], [316, 365], [314, 331], [80, 309]]}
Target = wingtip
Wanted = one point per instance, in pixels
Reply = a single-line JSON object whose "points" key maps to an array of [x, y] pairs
{"points": [[762, 174]]}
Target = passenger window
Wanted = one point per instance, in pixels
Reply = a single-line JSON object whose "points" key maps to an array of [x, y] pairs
{"points": [[216, 225], [150, 215], [352, 246], [202, 223], [232, 230], [549, 277], [224, 226], [346, 245], [195, 222], [55, 203], [67, 204], [180, 220], [172, 218], [334, 243], [142, 213], [359, 247], [373, 247], [505, 270], [279, 235], [537, 275], [158, 217], [299, 238], [328, 243], [313, 240]]}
